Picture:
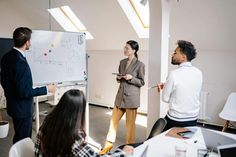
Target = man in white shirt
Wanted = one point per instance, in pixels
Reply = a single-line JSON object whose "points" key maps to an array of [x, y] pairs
{"points": [[182, 88]]}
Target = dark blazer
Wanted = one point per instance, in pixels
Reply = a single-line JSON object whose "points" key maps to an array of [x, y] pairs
{"points": [[16, 80], [128, 95]]}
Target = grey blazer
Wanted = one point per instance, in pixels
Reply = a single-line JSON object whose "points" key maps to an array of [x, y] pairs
{"points": [[128, 95]]}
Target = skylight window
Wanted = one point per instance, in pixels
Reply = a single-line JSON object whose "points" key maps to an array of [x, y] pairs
{"points": [[138, 15], [68, 20]]}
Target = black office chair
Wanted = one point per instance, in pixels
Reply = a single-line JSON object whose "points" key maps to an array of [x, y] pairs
{"points": [[157, 128]]}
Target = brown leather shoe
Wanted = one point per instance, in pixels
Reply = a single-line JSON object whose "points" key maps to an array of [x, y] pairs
{"points": [[108, 146]]}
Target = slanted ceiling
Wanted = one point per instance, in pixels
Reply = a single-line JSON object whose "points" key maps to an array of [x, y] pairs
{"points": [[208, 23]]}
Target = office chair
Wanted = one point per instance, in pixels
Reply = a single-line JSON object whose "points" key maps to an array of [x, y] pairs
{"points": [[229, 110], [157, 128], [22, 148]]}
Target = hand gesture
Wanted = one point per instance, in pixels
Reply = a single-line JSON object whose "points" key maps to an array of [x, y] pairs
{"points": [[128, 150], [52, 88], [160, 86], [127, 77], [119, 77]]}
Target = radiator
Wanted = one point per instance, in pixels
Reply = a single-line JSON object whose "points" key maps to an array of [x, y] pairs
{"points": [[203, 103]]}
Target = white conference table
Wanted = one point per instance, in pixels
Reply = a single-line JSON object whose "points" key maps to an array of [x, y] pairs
{"points": [[164, 146]]}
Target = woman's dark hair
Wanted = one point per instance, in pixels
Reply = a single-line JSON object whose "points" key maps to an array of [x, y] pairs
{"points": [[61, 127], [134, 45], [187, 48], [21, 35]]}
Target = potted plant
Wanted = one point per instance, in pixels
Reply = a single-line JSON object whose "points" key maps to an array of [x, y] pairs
{"points": [[4, 125]]}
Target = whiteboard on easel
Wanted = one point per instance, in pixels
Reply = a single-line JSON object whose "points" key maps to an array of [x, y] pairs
{"points": [[57, 57]]}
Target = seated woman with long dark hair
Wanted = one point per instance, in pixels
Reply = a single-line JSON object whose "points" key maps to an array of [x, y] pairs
{"points": [[62, 132]]}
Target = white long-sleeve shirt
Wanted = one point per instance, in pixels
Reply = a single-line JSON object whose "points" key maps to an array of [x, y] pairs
{"points": [[182, 91]]}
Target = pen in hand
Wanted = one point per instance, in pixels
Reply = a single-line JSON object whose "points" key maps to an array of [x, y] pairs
{"points": [[152, 87], [158, 86]]}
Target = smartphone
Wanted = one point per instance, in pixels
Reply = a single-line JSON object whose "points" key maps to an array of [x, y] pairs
{"points": [[118, 74], [186, 134]]}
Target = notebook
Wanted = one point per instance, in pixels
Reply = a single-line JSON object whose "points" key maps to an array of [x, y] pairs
{"points": [[213, 139]]}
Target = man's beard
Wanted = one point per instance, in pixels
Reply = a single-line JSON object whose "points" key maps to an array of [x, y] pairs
{"points": [[27, 48], [174, 62]]}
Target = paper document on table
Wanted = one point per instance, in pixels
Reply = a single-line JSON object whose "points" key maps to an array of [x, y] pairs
{"points": [[140, 151], [181, 132]]}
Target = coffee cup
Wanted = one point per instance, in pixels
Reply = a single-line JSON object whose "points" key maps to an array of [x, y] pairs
{"points": [[180, 151]]}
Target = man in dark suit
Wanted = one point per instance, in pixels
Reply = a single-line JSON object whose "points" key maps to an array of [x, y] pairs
{"points": [[17, 83]]}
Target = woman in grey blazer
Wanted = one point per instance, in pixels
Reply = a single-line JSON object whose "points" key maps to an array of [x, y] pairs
{"points": [[131, 78]]}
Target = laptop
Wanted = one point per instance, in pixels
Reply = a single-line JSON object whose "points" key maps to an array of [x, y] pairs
{"points": [[213, 139], [227, 150]]}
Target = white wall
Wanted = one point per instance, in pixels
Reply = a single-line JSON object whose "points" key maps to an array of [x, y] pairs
{"points": [[219, 79], [10, 18], [210, 24], [102, 84]]}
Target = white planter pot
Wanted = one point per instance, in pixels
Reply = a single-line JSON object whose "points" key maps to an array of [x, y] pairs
{"points": [[4, 127]]}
